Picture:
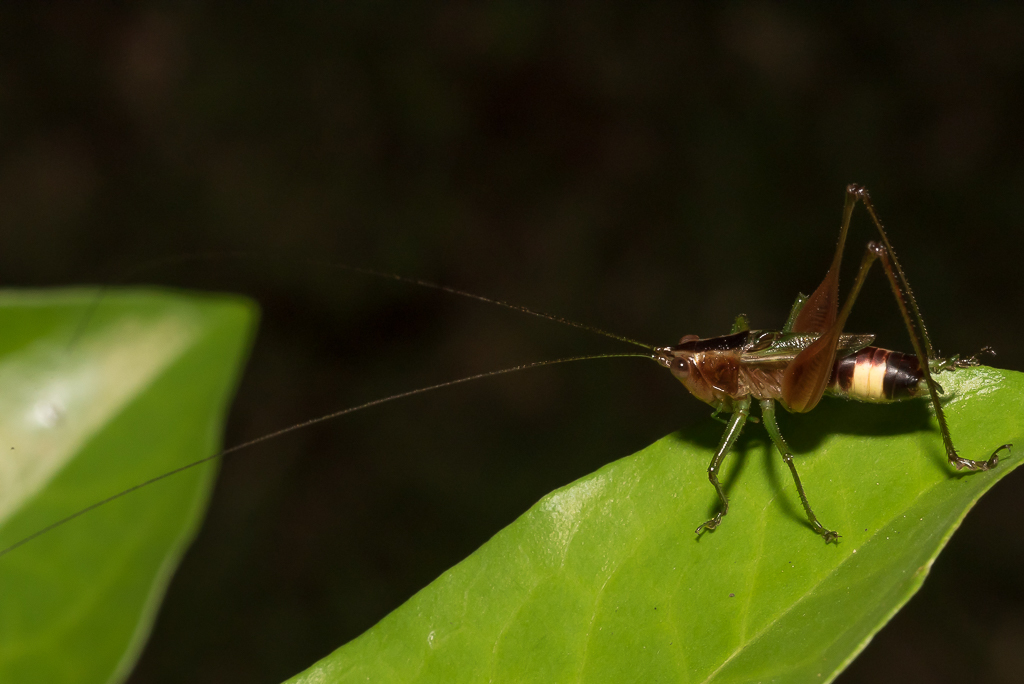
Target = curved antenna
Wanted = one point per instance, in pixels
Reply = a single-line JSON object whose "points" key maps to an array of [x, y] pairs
{"points": [[299, 426], [210, 256]]}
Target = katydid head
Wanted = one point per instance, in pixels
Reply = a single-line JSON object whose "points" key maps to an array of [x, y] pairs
{"points": [[687, 360], [677, 358]]}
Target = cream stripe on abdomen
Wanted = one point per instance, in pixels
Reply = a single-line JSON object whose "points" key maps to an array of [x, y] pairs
{"points": [[862, 377]]}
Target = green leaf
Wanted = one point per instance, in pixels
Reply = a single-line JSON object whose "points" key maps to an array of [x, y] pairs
{"points": [[100, 394], [604, 580]]}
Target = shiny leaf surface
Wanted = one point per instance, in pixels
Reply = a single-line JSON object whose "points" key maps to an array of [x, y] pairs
{"points": [[604, 580]]}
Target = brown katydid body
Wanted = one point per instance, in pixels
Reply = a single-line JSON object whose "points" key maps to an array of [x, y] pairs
{"points": [[810, 357], [720, 370]]}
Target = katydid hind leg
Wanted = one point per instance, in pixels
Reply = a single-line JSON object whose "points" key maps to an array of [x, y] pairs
{"points": [[919, 339], [806, 377], [728, 441], [768, 415], [818, 311]]}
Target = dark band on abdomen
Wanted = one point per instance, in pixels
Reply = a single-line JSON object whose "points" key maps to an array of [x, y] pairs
{"points": [[902, 376], [875, 374]]}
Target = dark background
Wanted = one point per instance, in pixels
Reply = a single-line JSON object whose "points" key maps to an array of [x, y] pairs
{"points": [[650, 170]]}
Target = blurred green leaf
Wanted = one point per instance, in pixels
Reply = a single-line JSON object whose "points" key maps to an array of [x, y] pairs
{"points": [[604, 581], [97, 395]]}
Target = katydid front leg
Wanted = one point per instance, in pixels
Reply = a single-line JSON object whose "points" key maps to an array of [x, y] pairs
{"points": [[732, 433]]}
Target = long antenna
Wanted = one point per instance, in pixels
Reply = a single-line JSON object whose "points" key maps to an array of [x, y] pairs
{"points": [[299, 426], [209, 256]]}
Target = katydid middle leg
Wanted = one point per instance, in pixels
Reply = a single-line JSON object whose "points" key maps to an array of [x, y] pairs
{"points": [[768, 415]]}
